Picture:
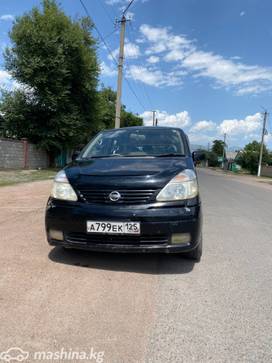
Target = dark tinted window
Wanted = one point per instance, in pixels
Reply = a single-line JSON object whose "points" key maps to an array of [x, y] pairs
{"points": [[137, 142]]}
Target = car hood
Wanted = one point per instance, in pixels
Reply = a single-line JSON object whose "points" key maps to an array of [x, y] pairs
{"points": [[125, 171]]}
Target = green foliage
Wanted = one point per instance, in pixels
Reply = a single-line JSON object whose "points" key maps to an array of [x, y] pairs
{"points": [[54, 58], [216, 151], [249, 157], [2, 127], [129, 119], [202, 154], [106, 114], [213, 159], [217, 147]]}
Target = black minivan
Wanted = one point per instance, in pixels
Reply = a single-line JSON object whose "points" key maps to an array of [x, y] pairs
{"points": [[132, 189]]}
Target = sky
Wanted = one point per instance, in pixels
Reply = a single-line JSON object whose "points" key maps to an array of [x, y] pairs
{"points": [[204, 66]]}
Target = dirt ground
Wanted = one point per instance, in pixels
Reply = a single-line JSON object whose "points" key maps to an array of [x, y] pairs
{"points": [[141, 308], [49, 301]]}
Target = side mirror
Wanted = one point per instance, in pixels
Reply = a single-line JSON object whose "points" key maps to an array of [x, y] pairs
{"points": [[194, 156], [75, 155]]}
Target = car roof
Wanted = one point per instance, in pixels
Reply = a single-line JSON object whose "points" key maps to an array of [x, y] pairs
{"points": [[146, 128]]}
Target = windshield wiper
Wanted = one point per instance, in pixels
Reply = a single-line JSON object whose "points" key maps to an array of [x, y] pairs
{"points": [[103, 156], [169, 154]]}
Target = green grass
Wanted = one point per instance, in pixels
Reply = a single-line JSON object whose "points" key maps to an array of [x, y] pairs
{"points": [[10, 177]]}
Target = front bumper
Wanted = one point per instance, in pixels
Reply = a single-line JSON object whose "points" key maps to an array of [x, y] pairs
{"points": [[158, 223]]}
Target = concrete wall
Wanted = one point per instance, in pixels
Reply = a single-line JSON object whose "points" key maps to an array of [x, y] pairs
{"points": [[267, 171], [20, 154], [37, 158]]}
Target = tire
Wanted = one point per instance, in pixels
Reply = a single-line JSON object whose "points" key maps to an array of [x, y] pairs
{"points": [[196, 253]]}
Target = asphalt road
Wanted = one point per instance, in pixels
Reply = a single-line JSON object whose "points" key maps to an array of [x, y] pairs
{"points": [[142, 308]]}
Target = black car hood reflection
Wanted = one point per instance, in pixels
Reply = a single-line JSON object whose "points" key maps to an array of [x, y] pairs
{"points": [[131, 166], [123, 171]]}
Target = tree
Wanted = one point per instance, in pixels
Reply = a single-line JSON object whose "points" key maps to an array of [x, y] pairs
{"points": [[218, 147], [54, 60], [212, 159], [249, 157], [106, 111], [129, 119], [106, 114], [2, 131]]}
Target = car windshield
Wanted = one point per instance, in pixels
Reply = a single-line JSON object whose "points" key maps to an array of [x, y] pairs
{"points": [[139, 142]]}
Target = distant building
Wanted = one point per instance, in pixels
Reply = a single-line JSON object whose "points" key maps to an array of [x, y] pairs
{"points": [[231, 155]]}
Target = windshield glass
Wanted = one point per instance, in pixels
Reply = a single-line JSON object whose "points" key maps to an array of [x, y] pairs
{"points": [[139, 142]]}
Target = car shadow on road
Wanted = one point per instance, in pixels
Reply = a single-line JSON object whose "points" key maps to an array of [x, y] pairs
{"points": [[156, 264]]}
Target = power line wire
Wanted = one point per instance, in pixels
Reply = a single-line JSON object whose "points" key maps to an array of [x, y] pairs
{"points": [[110, 34], [134, 93], [98, 32], [110, 51], [129, 5], [143, 86]]}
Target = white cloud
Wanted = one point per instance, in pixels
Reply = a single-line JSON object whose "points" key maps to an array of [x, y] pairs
{"points": [[255, 89], [107, 70], [180, 119], [130, 15], [7, 17], [154, 34], [153, 59], [200, 139], [132, 51], [143, 74], [162, 40], [7, 82], [174, 55], [154, 77], [239, 131], [203, 126], [249, 125], [267, 138], [229, 73], [121, 2], [4, 77], [114, 2]]}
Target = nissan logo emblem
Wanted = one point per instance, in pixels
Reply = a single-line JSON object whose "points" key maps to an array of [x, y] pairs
{"points": [[114, 196]]}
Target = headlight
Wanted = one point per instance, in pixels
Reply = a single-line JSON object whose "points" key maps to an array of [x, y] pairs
{"points": [[182, 186], [62, 188]]}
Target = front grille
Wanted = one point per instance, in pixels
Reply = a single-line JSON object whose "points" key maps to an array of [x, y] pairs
{"points": [[128, 196], [85, 239]]}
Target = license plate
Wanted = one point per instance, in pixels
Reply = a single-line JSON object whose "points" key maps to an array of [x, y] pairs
{"points": [[113, 227]]}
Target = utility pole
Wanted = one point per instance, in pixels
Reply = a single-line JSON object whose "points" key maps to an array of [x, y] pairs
{"points": [[262, 144], [120, 66], [154, 118], [120, 73], [156, 123], [223, 156]]}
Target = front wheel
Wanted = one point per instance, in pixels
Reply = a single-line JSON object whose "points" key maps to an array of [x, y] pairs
{"points": [[196, 253]]}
